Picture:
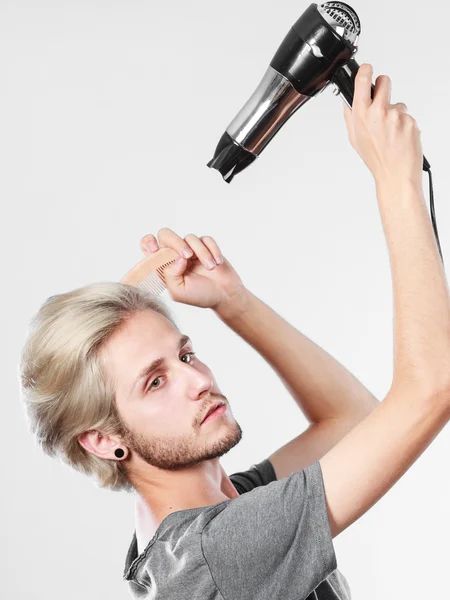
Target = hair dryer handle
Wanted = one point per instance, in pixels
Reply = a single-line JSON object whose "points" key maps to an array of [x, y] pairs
{"points": [[344, 79]]}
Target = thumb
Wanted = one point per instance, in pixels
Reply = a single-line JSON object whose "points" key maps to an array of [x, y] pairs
{"points": [[174, 273]]}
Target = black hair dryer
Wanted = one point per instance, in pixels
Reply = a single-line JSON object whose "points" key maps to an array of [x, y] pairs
{"points": [[316, 52]]}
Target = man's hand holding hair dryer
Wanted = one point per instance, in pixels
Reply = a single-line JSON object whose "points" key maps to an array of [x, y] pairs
{"points": [[376, 453]]}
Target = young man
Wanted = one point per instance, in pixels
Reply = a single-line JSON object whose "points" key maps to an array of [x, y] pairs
{"points": [[113, 388]]}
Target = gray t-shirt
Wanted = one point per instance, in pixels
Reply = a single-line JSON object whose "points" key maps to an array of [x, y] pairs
{"points": [[272, 542]]}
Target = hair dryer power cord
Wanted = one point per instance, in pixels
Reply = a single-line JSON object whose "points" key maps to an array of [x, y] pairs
{"points": [[433, 217]]}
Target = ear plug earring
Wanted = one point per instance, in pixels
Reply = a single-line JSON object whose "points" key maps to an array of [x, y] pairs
{"points": [[119, 452]]}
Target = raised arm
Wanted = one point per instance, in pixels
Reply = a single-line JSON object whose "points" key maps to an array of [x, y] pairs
{"points": [[367, 462]]}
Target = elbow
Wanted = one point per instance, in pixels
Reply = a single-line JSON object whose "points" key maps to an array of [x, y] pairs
{"points": [[369, 406], [363, 411], [434, 390]]}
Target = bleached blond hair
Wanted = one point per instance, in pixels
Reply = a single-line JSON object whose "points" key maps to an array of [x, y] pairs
{"points": [[62, 375]]}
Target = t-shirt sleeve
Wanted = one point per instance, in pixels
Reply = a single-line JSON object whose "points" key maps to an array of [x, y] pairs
{"points": [[258, 474], [273, 541]]}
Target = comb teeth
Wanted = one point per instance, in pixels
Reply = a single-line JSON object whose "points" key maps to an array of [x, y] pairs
{"points": [[155, 282]]}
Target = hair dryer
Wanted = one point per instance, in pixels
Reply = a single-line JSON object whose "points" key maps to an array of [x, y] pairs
{"points": [[316, 52]]}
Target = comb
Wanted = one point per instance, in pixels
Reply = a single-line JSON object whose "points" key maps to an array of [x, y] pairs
{"points": [[148, 274]]}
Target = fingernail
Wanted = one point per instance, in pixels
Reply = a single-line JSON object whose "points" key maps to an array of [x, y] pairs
{"points": [[152, 246], [210, 264], [219, 260], [186, 253], [179, 260]]}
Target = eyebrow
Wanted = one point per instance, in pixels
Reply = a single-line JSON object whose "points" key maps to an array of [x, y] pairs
{"points": [[157, 363]]}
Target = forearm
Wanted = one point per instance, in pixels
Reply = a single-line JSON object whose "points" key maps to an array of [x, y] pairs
{"points": [[320, 385], [420, 289]]}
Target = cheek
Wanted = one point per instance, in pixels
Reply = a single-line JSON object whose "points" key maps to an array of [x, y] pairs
{"points": [[134, 420], [140, 415], [147, 425], [158, 415]]}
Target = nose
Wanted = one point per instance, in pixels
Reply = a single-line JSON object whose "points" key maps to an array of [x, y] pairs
{"points": [[200, 380]]}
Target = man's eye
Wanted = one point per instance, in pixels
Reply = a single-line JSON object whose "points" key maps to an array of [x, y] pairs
{"points": [[188, 354], [152, 387]]}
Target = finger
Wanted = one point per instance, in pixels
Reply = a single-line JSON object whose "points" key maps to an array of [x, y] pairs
{"points": [[149, 244], [169, 239], [212, 246], [348, 119], [382, 92], [363, 84], [203, 253], [401, 106], [174, 273]]}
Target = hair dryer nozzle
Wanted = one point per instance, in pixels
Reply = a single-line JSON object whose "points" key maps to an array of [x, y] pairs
{"points": [[230, 158]]}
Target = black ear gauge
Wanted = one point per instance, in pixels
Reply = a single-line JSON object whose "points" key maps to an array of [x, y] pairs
{"points": [[119, 452]]}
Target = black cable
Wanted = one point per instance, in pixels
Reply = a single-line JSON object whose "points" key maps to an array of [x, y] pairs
{"points": [[433, 217]]}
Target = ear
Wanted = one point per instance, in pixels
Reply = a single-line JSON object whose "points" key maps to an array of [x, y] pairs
{"points": [[98, 444]]}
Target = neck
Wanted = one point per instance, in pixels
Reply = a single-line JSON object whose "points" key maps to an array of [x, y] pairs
{"points": [[160, 492]]}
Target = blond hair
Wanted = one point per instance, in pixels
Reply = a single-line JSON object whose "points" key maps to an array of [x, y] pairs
{"points": [[63, 382]]}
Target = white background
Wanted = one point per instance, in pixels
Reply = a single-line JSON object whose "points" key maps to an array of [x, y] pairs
{"points": [[109, 113]]}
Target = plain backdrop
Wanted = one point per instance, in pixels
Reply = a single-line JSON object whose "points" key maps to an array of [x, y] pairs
{"points": [[109, 112]]}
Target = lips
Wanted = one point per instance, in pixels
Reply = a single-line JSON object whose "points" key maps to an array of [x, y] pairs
{"points": [[212, 409]]}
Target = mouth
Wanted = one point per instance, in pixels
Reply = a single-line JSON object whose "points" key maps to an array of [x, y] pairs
{"points": [[214, 409]]}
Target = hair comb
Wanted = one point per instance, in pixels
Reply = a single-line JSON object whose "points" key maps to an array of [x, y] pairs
{"points": [[148, 274]]}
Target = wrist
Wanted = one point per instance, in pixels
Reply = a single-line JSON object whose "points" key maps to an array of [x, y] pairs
{"points": [[404, 186], [395, 196], [233, 306]]}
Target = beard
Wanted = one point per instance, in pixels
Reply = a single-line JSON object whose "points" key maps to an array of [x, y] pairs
{"points": [[173, 453]]}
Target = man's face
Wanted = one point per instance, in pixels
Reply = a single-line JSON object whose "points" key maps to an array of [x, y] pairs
{"points": [[162, 409]]}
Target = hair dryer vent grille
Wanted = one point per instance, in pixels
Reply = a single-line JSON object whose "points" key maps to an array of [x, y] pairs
{"points": [[343, 16]]}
